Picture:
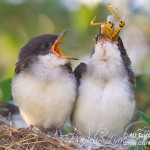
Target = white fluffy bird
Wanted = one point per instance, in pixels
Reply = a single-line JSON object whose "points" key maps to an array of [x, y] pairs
{"points": [[105, 99], [44, 86]]}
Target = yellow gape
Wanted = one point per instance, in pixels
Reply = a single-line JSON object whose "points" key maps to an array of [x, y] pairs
{"points": [[108, 28]]}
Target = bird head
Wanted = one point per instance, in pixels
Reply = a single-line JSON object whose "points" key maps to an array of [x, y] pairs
{"points": [[105, 49], [44, 50], [45, 44]]}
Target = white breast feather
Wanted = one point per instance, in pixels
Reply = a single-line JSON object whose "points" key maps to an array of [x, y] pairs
{"points": [[45, 95]]}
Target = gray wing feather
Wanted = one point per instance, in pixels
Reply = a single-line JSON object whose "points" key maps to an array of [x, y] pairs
{"points": [[80, 71], [127, 63]]}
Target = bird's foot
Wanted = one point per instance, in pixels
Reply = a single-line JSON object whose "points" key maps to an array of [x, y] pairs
{"points": [[58, 133], [33, 128], [30, 127], [48, 133]]}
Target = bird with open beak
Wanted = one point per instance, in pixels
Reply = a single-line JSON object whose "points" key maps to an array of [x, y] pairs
{"points": [[44, 86], [105, 102]]}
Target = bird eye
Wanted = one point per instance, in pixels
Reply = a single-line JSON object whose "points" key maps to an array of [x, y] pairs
{"points": [[46, 45]]}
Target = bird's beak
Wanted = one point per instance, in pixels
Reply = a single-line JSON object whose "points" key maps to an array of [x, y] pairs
{"points": [[102, 38], [55, 49]]}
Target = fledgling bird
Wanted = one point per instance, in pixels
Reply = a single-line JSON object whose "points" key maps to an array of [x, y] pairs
{"points": [[44, 86], [106, 91]]}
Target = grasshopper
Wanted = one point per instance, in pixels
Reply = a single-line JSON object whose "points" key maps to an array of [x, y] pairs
{"points": [[108, 29]]}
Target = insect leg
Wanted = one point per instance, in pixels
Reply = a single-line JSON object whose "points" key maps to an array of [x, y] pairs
{"points": [[92, 23]]}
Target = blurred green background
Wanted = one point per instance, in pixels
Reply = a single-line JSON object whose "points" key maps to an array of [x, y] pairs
{"points": [[22, 19]]}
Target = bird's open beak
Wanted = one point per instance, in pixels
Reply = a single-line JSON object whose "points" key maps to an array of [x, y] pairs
{"points": [[56, 47], [102, 38]]}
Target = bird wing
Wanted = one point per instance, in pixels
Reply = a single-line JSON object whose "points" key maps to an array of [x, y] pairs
{"points": [[79, 71], [127, 63], [22, 64], [19, 67], [68, 67]]}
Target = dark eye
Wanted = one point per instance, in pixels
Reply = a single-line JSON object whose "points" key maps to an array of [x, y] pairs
{"points": [[46, 45]]}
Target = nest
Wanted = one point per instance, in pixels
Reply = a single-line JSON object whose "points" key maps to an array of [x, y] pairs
{"points": [[12, 138]]}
